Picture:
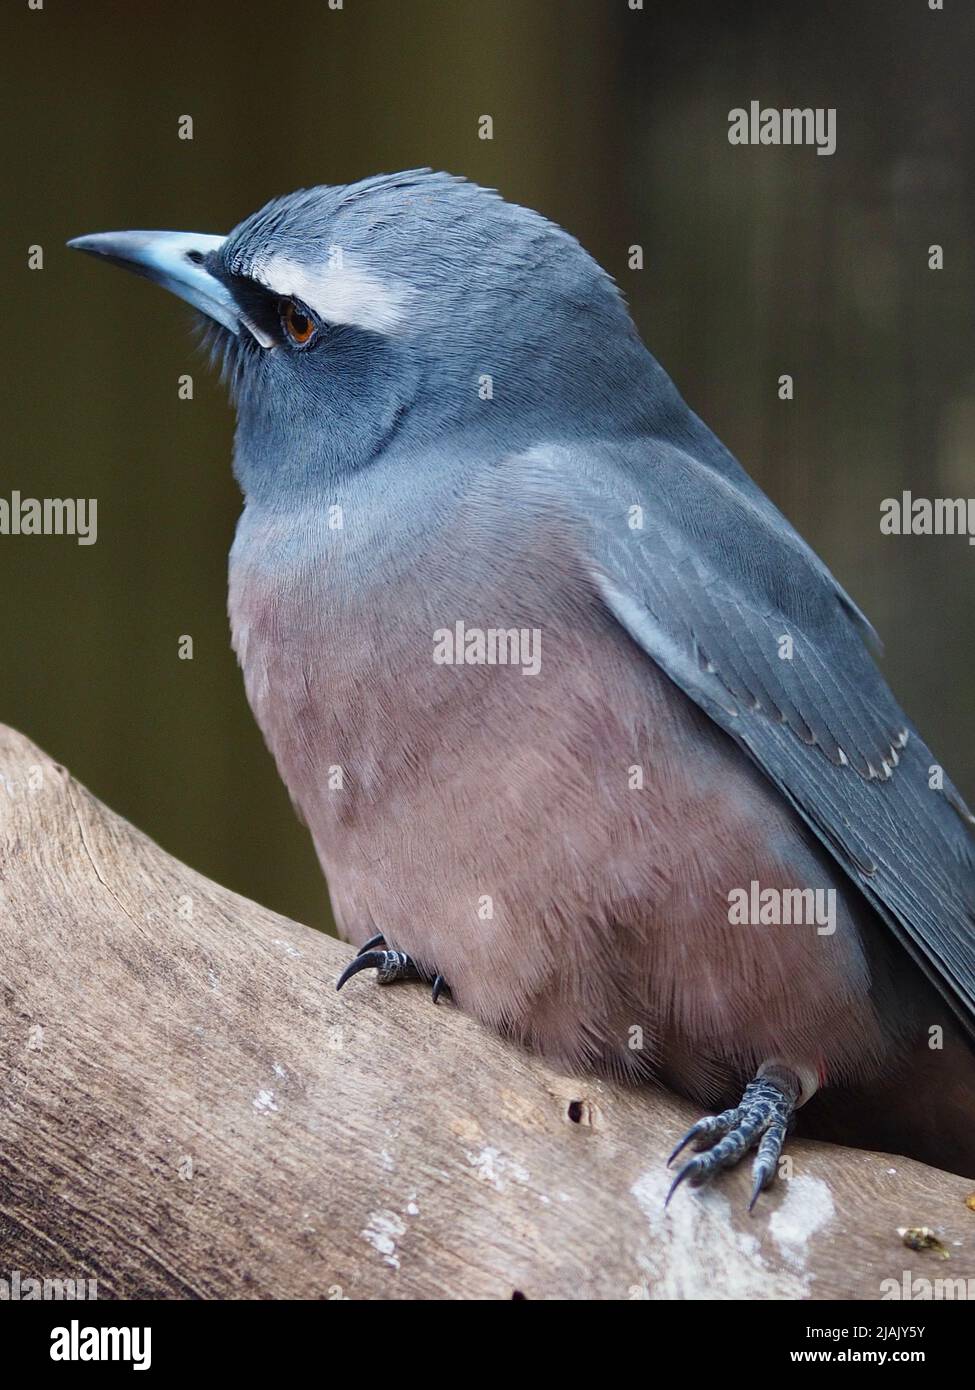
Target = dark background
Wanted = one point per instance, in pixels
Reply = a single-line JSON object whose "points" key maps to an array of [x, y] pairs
{"points": [[758, 261]]}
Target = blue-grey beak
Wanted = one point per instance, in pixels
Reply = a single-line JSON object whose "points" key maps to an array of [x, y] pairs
{"points": [[178, 262]]}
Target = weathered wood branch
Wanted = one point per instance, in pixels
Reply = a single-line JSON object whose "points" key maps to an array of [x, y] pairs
{"points": [[189, 1109]]}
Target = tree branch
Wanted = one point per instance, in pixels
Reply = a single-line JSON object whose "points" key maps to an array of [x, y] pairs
{"points": [[189, 1109]]}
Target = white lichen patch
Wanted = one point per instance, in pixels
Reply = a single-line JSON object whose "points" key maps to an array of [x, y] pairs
{"points": [[807, 1208], [287, 948], [694, 1250], [492, 1167], [382, 1233], [264, 1102]]}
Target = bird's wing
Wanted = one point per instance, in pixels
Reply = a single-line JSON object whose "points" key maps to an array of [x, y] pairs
{"points": [[715, 585]]}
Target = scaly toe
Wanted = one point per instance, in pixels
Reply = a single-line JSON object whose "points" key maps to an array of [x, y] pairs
{"points": [[761, 1119]]}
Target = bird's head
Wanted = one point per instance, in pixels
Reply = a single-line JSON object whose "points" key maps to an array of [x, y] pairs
{"points": [[399, 312]]}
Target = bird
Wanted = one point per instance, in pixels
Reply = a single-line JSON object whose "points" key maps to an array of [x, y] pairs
{"points": [[583, 731]]}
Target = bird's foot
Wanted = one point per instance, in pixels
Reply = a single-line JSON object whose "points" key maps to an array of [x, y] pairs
{"points": [[389, 966], [761, 1118]]}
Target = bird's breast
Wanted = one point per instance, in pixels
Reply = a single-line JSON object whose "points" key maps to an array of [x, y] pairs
{"points": [[404, 696], [499, 780]]}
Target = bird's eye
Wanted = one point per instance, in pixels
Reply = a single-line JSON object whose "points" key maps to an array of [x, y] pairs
{"points": [[297, 322]]}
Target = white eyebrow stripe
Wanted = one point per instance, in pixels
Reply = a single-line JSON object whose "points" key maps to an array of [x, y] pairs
{"points": [[346, 293]]}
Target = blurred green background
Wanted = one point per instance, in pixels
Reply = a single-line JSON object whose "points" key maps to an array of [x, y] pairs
{"points": [[758, 261]]}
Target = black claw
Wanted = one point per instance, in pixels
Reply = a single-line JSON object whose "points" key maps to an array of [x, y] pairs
{"points": [[389, 966], [377, 940], [703, 1126], [682, 1144], [687, 1171], [360, 962], [715, 1126]]}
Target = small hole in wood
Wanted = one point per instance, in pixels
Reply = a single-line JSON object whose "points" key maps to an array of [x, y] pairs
{"points": [[575, 1111]]}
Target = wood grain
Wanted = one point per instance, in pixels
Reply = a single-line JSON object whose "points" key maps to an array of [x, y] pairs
{"points": [[189, 1110]]}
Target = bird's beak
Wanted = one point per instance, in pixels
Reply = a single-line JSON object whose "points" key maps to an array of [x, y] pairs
{"points": [[177, 261]]}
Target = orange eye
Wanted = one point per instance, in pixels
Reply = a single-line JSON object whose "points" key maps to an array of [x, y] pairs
{"points": [[298, 325]]}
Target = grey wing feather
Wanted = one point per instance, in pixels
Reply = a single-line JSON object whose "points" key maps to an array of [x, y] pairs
{"points": [[717, 587]]}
